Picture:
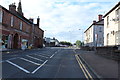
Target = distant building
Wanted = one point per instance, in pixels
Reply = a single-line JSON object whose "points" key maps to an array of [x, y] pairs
{"points": [[94, 34], [112, 26], [51, 42], [16, 30]]}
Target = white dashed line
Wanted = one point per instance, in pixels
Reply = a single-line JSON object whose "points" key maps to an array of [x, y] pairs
{"points": [[30, 61], [39, 67], [56, 52], [41, 55], [52, 56], [35, 58], [44, 54], [18, 66]]}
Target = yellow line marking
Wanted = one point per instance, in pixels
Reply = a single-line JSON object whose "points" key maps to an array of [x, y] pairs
{"points": [[85, 71], [81, 67]]}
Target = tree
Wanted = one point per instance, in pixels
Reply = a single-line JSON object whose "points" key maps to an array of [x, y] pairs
{"points": [[65, 43], [78, 43]]}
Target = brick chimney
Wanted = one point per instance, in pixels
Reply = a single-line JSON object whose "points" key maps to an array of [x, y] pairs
{"points": [[38, 21], [12, 7], [31, 19], [100, 17]]}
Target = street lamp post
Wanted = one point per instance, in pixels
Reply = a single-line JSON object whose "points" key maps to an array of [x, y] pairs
{"points": [[81, 36]]}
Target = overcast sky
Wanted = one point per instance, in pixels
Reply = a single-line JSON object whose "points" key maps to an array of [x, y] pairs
{"points": [[66, 20]]}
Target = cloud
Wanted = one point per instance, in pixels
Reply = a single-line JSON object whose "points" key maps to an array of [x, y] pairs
{"points": [[63, 18]]}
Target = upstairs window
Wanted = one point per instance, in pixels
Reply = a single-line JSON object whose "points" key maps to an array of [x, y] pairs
{"points": [[12, 20], [107, 20], [117, 14], [21, 25], [1, 15]]}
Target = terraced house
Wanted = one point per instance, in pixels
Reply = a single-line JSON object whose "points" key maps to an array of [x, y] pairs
{"points": [[16, 30], [94, 35], [112, 26]]}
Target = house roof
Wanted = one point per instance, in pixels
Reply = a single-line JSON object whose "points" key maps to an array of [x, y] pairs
{"points": [[17, 15], [118, 4], [101, 22]]}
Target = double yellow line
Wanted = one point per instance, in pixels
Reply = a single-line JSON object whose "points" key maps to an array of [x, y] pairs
{"points": [[85, 71]]}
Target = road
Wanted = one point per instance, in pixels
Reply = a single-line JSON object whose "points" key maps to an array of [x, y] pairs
{"points": [[43, 63]]}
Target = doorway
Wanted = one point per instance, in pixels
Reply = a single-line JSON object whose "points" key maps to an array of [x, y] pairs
{"points": [[15, 43]]}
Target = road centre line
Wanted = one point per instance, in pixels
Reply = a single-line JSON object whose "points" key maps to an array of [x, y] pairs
{"points": [[30, 61], [35, 58], [41, 55], [85, 71], [52, 56], [39, 67], [17, 66]]}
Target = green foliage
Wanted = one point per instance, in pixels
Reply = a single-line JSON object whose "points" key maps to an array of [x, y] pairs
{"points": [[65, 43], [78, 43]]}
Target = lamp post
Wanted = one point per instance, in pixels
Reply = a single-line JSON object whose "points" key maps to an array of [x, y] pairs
{"points": [[81, 37]]}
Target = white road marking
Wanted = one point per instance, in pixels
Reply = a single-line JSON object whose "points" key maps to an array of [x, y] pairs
{"points": [[18, 66], [44, 54], [52, 56], [8, 59], [74, 51], [1, 61], [39, 67], [30, 61], [35, 58], [56, 52], [41, 55]]}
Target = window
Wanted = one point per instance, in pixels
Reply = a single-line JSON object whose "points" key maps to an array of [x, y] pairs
{"points": [[107, 38], [21, 25], [100, 29], [1, 15], [11, 20], [107, 20], [117, 14], [27, 29]]}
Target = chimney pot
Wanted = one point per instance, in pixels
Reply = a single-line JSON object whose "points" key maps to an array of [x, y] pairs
{"points": [[12, 7], [100, 17], [94, 21], [38, 21]]}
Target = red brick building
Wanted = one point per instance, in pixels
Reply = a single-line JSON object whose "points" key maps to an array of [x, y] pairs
{"points": [[16, 30]]}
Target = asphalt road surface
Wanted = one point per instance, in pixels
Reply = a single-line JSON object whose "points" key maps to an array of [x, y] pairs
{"points": [[43, 63]]}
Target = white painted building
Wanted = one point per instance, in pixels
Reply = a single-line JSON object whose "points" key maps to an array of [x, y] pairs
{"points": [[112, 26], [94, 35]]}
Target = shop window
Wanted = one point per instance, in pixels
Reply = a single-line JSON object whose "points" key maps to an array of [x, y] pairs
{"points": [[4, 41]]}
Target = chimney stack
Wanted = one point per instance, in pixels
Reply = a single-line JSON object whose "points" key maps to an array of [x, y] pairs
{"points": [[38, 20], [12, 7], [100, 17], [31, 19], [94, 21]]}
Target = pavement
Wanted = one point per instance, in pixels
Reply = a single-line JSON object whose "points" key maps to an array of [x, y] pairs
{"points": [[103, 67]]}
